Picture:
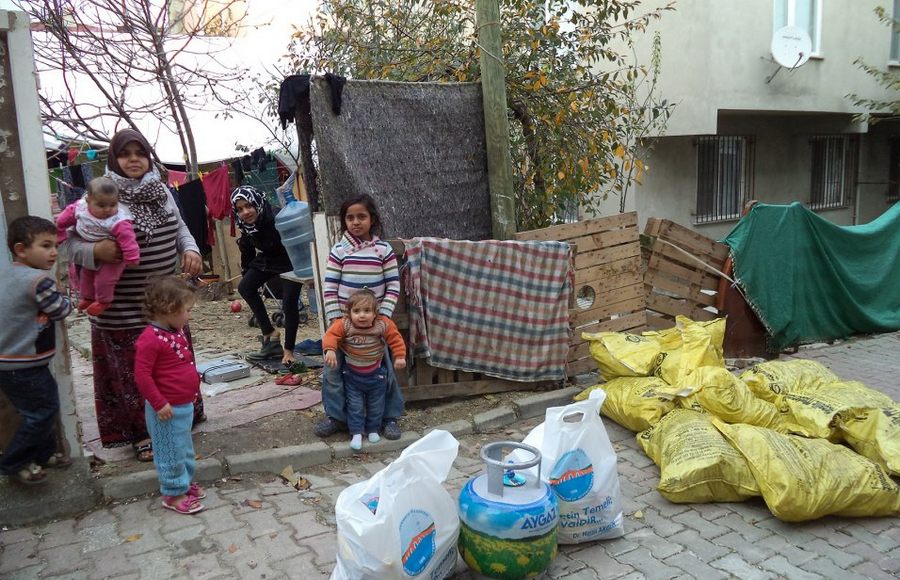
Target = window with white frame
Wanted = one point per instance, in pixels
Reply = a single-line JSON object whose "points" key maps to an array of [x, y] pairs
{"points": [[805, 14], [834, 162], [895, 33], [724, 177]]}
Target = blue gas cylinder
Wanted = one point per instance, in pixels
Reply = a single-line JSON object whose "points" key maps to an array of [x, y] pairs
{"points": [[296, 230], [508, 518]]}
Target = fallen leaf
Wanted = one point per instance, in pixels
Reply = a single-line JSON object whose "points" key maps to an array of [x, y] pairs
{"points": [[134, 538], [232, 549], [639, 515], [254, 503], [302, 483]]}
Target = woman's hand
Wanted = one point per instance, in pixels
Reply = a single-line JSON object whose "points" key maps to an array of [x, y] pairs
{"points": [[191, 263], [107, 251]]}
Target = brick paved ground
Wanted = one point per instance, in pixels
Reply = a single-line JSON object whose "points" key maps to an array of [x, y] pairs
{"points": [[292, 535]]}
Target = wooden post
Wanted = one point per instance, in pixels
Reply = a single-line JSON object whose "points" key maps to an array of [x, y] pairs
{"points": [[496, 122]]}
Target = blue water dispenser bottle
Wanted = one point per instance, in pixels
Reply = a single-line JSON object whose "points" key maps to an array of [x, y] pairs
{"points": [[295, 227]]}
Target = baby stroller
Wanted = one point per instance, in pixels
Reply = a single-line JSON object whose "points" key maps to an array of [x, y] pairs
{"points": [[277, 316]]}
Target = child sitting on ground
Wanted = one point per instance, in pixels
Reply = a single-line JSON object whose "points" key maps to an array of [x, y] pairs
{"points": [[31, 304], [166, 376], [360, 335], [98, 216]]}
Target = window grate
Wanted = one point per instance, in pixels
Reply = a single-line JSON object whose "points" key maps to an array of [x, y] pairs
{"points": [[893, 188], [724, 177], [834, 162]]}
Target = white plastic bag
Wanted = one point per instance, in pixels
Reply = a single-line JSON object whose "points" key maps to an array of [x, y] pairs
{"points": [[401, 523], [579, 463]]}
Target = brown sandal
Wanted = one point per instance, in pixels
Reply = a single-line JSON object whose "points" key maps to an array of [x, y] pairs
{"points": [[31, 475], [144, 452]]}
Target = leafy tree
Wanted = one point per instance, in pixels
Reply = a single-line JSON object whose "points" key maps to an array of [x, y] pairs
{"points": [[138, 58], [877, 109], [580, 106]]}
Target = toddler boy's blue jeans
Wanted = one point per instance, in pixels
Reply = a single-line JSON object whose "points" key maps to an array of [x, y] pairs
{"points": [[365, 399], [334, 398], [173, 448], [34, 394]]}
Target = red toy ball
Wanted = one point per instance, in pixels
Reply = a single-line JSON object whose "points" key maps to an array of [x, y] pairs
{"points": [[236, 306]]}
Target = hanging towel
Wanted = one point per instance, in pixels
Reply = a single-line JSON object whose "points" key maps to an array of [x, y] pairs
{"points": [[492, 307], [192, 203], [176, 178], [217, 185]]}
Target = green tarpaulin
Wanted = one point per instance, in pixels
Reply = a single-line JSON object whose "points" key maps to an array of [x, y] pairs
{"points": [[811, 280]]}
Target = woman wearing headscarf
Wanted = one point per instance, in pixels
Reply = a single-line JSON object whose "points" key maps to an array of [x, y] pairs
{"points": [[162, 236], [263, 259]]}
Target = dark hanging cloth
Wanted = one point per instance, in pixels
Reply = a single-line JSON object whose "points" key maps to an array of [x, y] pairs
{"points": [[192, 203], [336, 85], [260, 159], [57, 158], [238, 167], [78, 177], [74, 179], [246, 163], [293, 90]]}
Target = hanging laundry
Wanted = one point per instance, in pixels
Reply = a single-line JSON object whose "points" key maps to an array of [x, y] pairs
{"points": [[238, 168], [247, 162], [192, 203], [74, 181], [177, 178], [336, 86], [294, 89], [217, 185], [260, 159]]}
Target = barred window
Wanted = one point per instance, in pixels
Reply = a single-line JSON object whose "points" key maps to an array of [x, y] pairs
{"points": [[724, 177], [834, 163], [893, 189]]}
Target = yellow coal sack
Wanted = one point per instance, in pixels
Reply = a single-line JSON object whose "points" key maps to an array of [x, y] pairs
{"points": [[769, 379], [688, 346], [821, 410], [804, 479], [632, 402], [876, 435], [722, 394], [619, 354], [697, 464]]}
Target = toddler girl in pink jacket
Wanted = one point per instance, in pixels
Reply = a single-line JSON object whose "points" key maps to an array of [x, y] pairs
{"points": [[98, 216]]}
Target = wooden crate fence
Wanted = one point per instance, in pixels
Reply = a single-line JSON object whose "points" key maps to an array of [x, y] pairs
{"points": [[609, 288], [423, 381], [681, 273]]}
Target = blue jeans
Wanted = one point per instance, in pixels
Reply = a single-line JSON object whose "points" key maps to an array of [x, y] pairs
{"points": [[334, 400], [34, 394], [365, 400], [173, 448]]}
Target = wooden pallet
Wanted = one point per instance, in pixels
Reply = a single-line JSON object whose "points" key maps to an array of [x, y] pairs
{"points": [[681, 273], [609, 287]]}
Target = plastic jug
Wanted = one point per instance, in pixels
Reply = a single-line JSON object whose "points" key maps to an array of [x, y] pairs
{"points": [[296, 230], [508, 519]]}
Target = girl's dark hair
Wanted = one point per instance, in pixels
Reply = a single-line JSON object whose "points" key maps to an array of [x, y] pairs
{"points": [[361, 297], [102, 186], [167, 295], [369, 203]]}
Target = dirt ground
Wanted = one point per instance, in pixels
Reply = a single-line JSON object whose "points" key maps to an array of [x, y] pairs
{"points": [[214, 326]]}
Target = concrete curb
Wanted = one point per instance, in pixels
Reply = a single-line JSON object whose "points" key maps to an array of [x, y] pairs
{"points": [[321, 452]]}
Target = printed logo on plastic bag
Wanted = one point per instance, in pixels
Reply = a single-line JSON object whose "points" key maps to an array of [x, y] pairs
{"points": [[417, 534], [572, 476], [370, 501]]}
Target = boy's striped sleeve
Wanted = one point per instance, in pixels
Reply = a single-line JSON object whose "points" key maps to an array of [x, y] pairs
{"points": [[50, 301]]}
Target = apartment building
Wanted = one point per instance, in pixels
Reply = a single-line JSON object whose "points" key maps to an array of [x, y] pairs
{"points": [[745, 128]]}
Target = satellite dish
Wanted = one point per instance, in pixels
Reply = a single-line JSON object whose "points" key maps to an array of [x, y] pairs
{"points": [[791, 46]]}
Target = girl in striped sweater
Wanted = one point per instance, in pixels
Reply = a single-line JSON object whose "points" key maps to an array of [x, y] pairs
{"points": [[361, 259]]}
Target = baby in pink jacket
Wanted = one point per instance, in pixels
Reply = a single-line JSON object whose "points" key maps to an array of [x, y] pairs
{"points": [[99, 216]]}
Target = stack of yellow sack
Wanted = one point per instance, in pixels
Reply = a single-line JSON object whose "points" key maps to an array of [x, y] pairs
{"points": [[780, 430]]}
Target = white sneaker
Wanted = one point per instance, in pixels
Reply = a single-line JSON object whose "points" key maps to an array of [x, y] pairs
{"points": [[374, 438]]}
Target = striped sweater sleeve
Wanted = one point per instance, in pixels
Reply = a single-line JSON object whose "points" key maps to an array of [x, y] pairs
{"points": [[391, 282], [331, 284], [50, 301]]}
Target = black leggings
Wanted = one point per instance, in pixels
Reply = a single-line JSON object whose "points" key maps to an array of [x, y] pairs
{"points": [[288, 291]]}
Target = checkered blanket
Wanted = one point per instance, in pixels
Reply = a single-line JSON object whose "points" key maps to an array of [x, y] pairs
{"points": [[498, 308]]}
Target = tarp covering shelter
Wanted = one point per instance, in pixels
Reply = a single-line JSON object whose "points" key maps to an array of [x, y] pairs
{"points": [[810, 280]]}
